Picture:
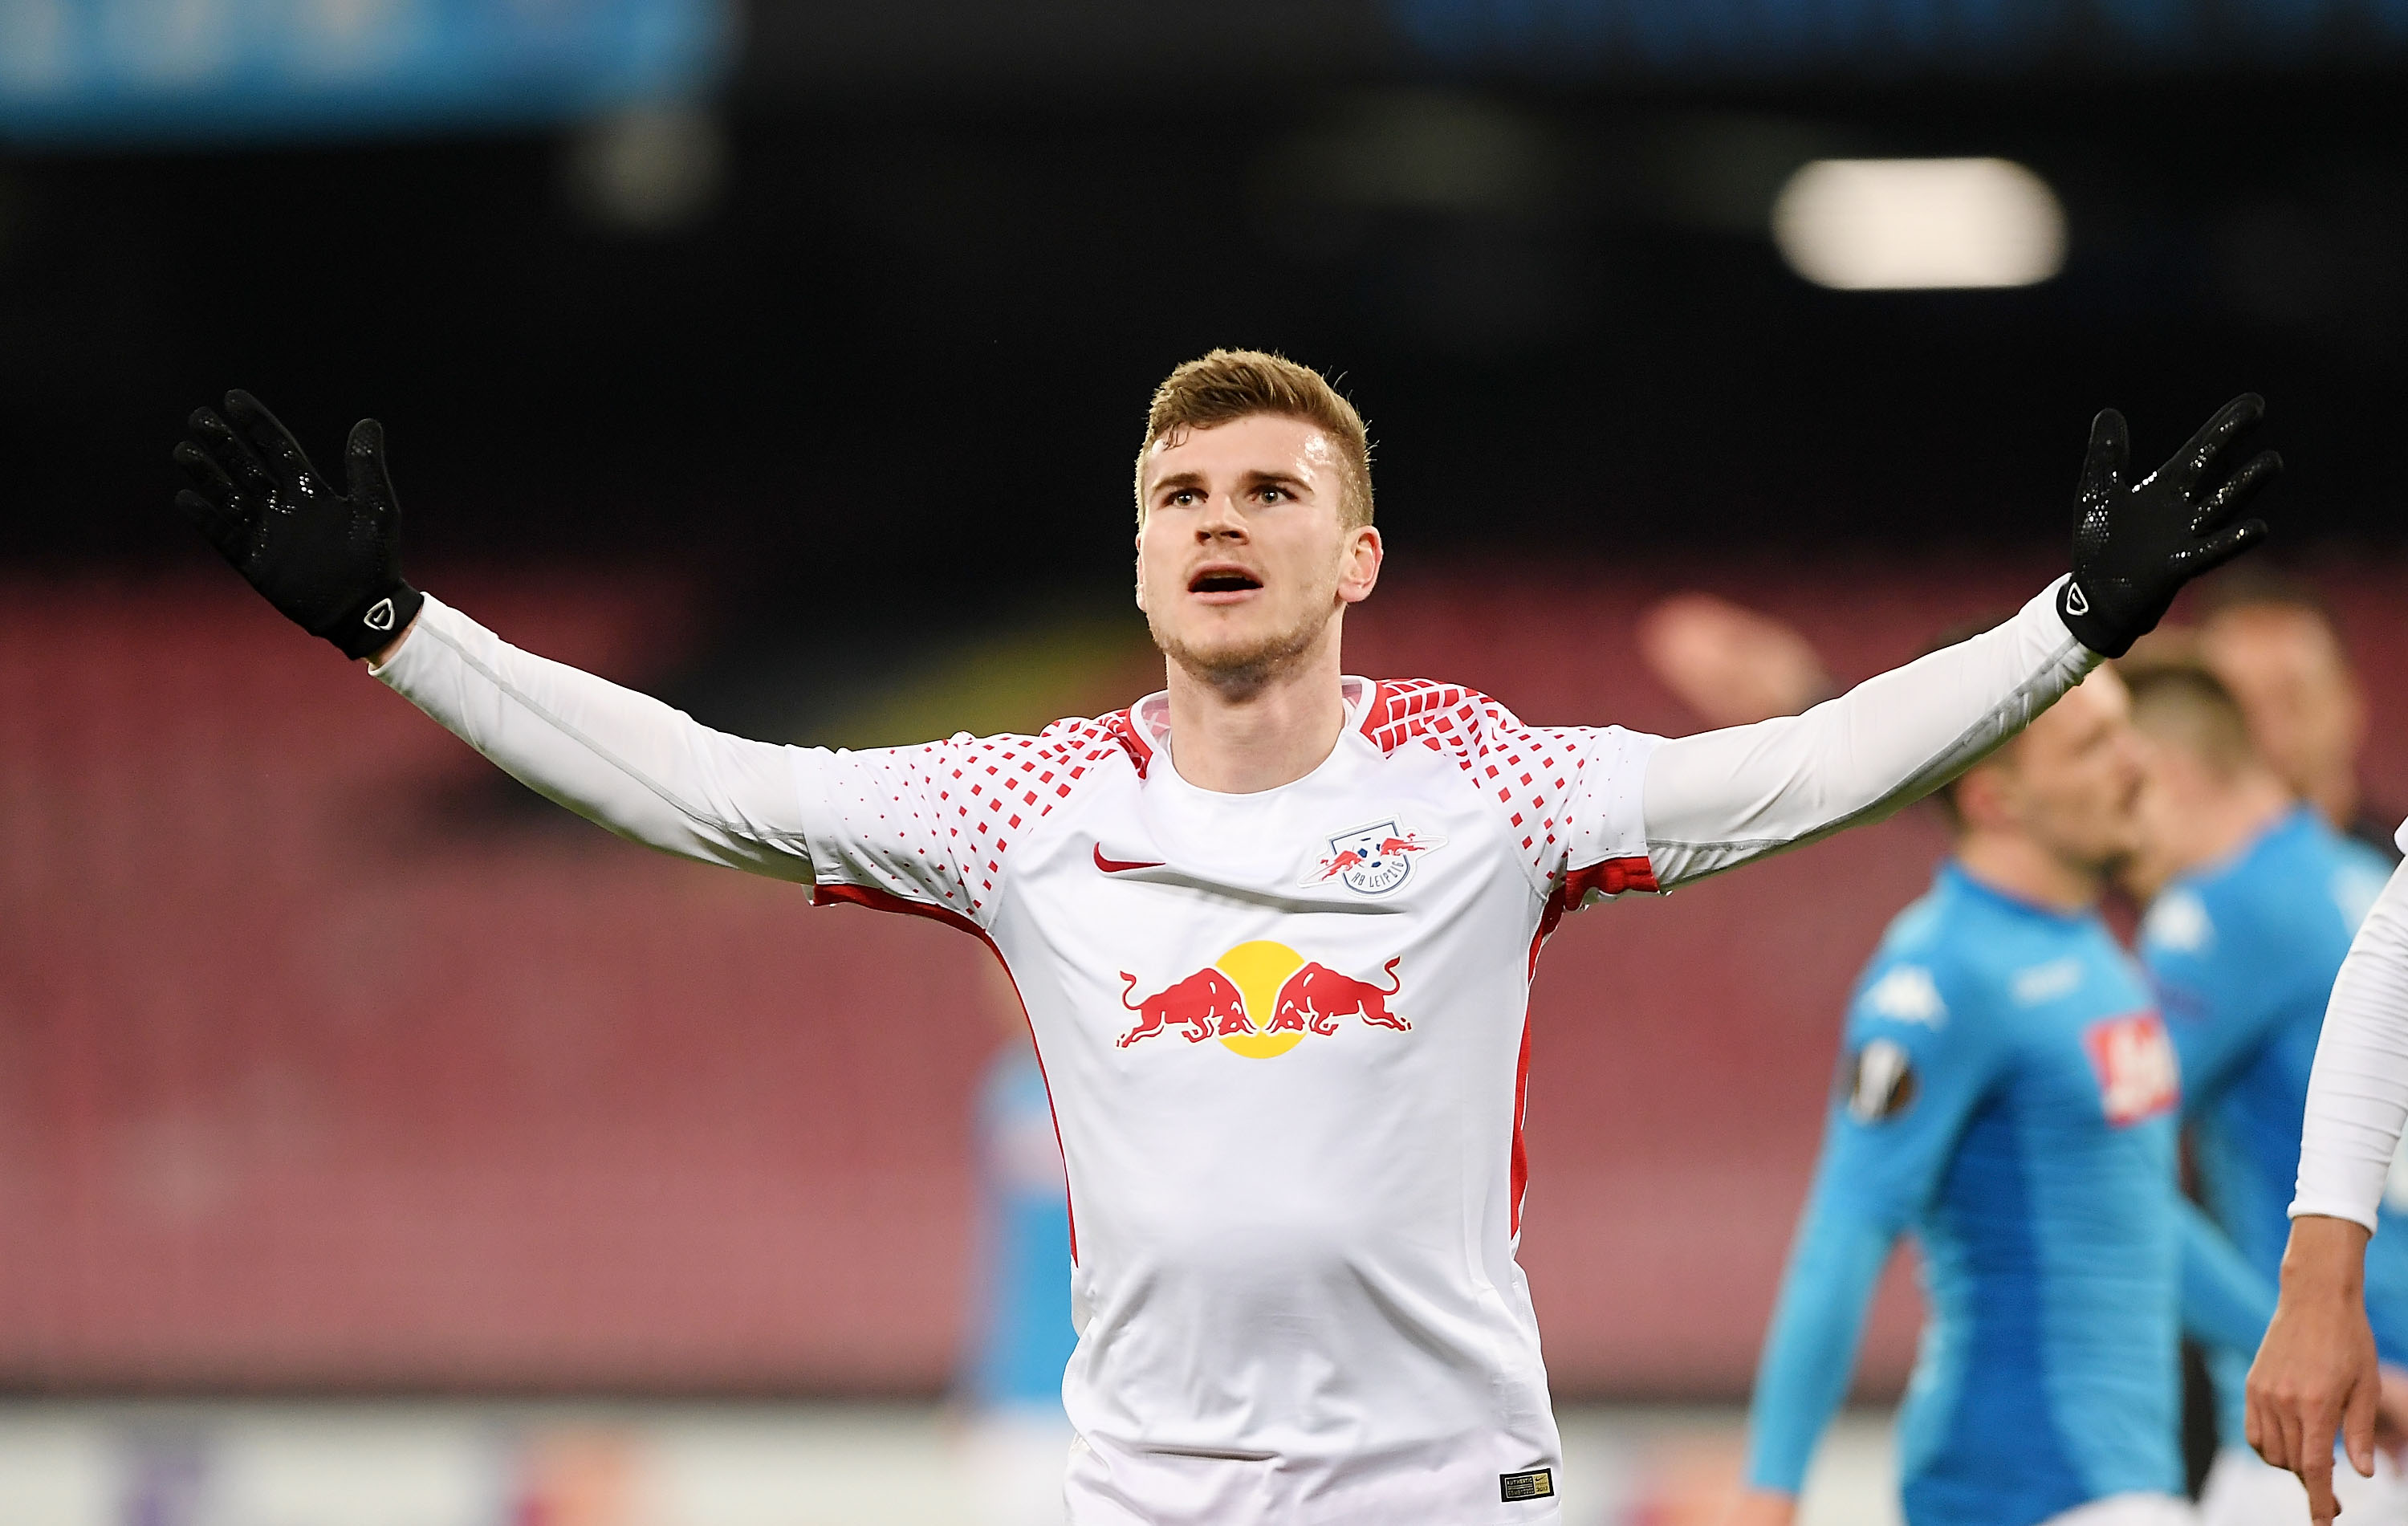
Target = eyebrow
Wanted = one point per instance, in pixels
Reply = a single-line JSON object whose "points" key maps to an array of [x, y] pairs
{"points": [[1181, 481], [1277, 479]]}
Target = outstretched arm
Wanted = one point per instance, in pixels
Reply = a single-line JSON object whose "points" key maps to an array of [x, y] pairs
{"points": [[2317, 1373], [331, 563], [614, 756], [1719, 799]]}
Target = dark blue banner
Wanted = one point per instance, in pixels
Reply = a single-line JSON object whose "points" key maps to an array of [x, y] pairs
{"points": [[1778, 37], [149, 71]]}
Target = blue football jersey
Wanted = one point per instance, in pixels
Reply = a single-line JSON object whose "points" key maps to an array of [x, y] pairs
{"points": [[2009, 1096], [1021, 1333], [2243, 954]]}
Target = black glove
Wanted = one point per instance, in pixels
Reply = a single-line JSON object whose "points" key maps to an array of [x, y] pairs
{"points": [[2135, 546], [330, 564]]}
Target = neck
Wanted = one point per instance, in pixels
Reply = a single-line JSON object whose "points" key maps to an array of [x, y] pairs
{"points": [[1241, 737], [2014, 864], [2335, 794], [2218, 823]]}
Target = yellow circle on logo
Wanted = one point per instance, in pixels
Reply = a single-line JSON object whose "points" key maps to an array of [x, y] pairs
{"points": [[1258, 970]]}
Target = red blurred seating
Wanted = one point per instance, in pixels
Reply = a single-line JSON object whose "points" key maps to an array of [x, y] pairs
{"points": [[302, 1086]]}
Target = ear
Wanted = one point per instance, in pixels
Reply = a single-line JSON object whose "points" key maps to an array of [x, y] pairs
{"points": [[1986, 795], [1359, 568], [1141, 568]]}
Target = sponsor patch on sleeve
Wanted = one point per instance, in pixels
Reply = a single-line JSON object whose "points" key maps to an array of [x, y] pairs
{"points": [[1536, 1484], [1880, 1082]]}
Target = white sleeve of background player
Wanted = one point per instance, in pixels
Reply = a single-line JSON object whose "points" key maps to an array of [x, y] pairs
{"points": [[2357, 1094], [1722, 797], [614, 756]]}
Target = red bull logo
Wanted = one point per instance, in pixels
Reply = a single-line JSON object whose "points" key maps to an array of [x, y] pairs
{"points": [[1262, 999]]}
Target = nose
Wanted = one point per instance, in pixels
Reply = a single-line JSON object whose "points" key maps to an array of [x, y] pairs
{"points": [[1221, 520]]}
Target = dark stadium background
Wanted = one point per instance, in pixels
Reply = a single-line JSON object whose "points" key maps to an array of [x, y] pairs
{"points": [[329, 1062]]}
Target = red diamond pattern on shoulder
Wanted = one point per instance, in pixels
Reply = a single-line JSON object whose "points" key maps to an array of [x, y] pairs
{"points": [[977, 789], [1532, 773], [1486, 740]]}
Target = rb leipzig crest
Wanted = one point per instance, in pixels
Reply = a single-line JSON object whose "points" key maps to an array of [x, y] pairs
{"points": [[1372, 861]]}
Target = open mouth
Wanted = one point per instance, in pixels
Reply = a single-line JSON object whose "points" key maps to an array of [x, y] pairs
{"points": [[1223, 580]]}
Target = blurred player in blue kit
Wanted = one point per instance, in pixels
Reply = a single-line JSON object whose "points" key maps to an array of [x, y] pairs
{"points": [[2253, 899], [2009, 1096], [1021, 1334], [2256, 860]]}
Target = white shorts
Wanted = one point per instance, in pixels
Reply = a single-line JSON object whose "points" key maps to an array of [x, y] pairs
{"points": [[2132, 1510], [2245, 1490]]}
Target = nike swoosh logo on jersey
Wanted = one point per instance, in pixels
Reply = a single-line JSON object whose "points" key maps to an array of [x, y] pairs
{"points": [[1115, 866]]}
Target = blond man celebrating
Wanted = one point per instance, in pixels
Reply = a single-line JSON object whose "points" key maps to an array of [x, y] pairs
{"points": [[1271, 914]]}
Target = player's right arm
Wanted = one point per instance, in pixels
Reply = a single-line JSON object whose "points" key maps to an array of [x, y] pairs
{"points": [[331, 563], [621, 760], [1911, 1071], [2317, 1373]]}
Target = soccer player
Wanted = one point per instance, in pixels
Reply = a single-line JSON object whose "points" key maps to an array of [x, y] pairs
{"points": [[2008, 1096], [2253, 899], [1273, 928], [2273, 642], [2319, 1372], [1022, 1336]]}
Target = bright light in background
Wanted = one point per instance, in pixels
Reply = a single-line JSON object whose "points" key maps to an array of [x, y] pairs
{"points": [[1889, 224]]}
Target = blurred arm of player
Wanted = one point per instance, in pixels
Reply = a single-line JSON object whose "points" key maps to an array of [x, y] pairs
{"points": [[1719, 798], [330, 562], [1908, 1088], [1730, 664], [2317, 1373]]}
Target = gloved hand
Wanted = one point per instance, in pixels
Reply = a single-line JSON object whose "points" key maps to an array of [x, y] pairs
{"points": [[330, 564], [2135, 545]]}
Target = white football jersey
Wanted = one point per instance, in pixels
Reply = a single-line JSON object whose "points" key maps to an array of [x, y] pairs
{"points": [[1283, 1033]]}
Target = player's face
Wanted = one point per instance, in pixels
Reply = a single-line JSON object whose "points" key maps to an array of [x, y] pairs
{"points": [[1245, 560], [2174, 780], [2077, 774], [2295, 685]]}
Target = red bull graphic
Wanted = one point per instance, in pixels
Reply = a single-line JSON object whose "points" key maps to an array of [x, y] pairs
{"points": [[1373, 859], [1205, 1003], [1301, 998], [1316, 996]]}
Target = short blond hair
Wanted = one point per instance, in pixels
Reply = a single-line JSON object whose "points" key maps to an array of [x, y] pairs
{"points": [[1232, 384]]}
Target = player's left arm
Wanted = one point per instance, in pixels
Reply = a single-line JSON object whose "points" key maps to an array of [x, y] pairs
{"points": [[1906, 1090], [1720, 798]]}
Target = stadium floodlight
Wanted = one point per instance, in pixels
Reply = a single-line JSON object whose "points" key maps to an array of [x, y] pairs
{"points": [[1894, 224]]}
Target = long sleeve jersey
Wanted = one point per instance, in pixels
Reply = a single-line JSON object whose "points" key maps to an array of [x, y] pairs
{"points": [[1283, 1033], [2009, 1096], [2357, 1091], [2243, 953]]}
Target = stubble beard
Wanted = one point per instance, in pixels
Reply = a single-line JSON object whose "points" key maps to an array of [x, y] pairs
{"points": [[1242, 670]]}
